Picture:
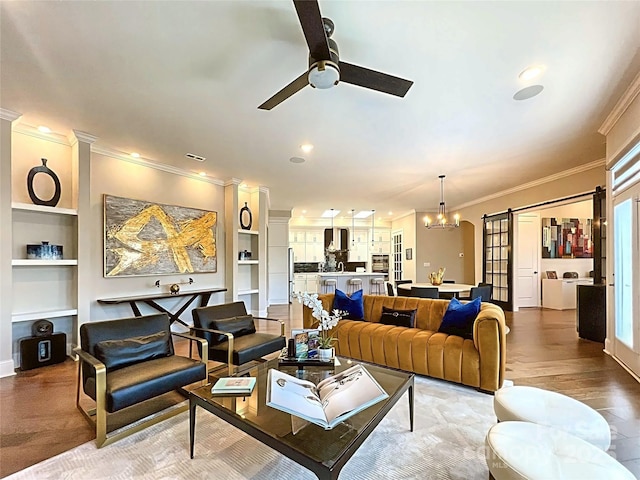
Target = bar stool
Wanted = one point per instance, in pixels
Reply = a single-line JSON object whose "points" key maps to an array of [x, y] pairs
{"points": [[328, 283], [377, 286], [353, 285]]}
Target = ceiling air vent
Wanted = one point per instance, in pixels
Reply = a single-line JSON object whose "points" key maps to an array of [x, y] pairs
{"points": [[193, 156]]}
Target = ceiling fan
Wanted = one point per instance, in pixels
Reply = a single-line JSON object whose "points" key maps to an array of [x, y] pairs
{"points": [[325, 68]]}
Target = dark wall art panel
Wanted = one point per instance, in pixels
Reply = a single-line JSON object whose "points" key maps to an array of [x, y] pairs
{"points": [[145, 238]]}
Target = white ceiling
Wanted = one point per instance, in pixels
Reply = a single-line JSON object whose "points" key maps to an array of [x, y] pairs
{"points": [[167, 78]]}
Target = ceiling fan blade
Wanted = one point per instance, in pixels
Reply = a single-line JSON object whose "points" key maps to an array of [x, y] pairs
{"points": [[313, 28], [298, 84], [382, 82]]}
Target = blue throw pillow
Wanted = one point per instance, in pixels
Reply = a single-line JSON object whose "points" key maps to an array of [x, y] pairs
{"points": [[352, 305], [459, 317]]}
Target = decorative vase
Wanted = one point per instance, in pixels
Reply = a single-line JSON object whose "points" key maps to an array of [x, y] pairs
{"points": [[245, 212], [53, 201], [325, 354]]}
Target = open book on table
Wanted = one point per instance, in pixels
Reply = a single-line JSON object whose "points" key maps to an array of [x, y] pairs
{"points": [[333, 400]]}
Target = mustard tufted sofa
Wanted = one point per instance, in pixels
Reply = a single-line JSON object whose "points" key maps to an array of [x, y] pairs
{"points": [[478, 363]]}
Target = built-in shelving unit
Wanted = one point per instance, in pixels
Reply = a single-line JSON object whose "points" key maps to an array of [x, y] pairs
{"points": [[40, 263], [42, 289], [25, 317]]}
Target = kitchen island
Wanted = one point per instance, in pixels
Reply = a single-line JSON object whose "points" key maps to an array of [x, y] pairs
{"points": [[343, 277]]}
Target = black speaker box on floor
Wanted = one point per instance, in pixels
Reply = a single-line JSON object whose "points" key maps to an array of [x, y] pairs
{"points": [[41, 351]]}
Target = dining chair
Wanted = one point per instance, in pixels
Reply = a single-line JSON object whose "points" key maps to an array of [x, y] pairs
{"points": [[390, 291], [448, 281], [483, 292], [423, 292]]}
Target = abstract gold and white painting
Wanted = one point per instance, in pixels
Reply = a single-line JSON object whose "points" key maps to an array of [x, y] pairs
{"points": [[146, 238]]}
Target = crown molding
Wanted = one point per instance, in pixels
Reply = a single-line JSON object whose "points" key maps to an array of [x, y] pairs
{"points": [[155, 165], [232, 181], [30, 130], [403, 215], [81, 136], [625, 101], [9, 115], [541, 181]]}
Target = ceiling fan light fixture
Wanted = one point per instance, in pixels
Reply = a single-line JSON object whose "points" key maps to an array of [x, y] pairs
{"points": [[323, 74]]}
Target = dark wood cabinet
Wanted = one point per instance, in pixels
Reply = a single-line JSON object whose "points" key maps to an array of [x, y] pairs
{"points": [[592, 312]]}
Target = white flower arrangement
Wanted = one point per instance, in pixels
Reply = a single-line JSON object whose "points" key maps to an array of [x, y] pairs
{"points": [[326, 321]]}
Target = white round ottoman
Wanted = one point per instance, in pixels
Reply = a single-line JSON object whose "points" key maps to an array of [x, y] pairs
{"points": [[524, 450], [530, 404]]}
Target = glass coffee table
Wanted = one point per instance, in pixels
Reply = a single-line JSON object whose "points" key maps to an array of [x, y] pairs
{"points": [[324, 452]]}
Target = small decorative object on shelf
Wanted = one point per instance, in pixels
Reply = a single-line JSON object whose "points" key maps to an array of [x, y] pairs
{"points": [[44, 251], [53, 201], [245, 212], [244, 255], [174, 288], [436, 277]]}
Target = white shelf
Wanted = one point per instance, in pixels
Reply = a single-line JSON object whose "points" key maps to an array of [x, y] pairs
{"points": [[248, 292], [28, 316], [248, 232], [43, 208], [39, 263], [248, 262]]}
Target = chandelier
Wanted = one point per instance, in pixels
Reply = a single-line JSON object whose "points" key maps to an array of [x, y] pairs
{"points": [[441, 219]]}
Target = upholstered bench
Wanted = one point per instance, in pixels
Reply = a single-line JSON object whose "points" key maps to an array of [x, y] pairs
{"points": [[535, 405], [524, 450]]}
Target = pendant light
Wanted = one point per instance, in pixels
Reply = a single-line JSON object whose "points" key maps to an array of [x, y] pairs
{"points": [[441, 220], [353, 227], [332, 247], [373, 214]]}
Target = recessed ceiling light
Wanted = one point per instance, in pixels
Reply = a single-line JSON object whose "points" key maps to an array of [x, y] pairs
{"points": [[363, 214], [531, 72], [304, 211], [44, 129], [389, 213], [243, 185], [135, 155], [330, 213], [202, 174], [306, 147], [528, 92], [296, 160]]}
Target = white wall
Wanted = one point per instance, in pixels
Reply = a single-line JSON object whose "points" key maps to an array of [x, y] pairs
{"points": [[124, 179]]}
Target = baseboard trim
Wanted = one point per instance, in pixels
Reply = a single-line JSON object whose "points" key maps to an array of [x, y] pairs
{"points": [[7, 368], [629, 371]]}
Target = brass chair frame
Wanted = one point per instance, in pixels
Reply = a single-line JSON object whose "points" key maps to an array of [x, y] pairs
{"points": [[97, 417], [229, 336]]}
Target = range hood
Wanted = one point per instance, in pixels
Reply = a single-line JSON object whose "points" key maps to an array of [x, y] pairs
{"points": [[339, 236]]}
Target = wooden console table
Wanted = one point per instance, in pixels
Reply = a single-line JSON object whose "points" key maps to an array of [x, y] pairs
{"points": [[204, 295]]}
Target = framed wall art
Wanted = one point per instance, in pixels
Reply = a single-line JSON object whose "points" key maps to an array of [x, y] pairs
{"points": [[146, 238], [567, 238]]}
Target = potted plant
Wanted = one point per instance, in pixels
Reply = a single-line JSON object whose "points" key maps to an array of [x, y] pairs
{"points": [[326, 322]]}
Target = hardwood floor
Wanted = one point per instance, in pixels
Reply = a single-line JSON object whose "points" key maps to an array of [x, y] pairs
{"points": [[39, 420]]}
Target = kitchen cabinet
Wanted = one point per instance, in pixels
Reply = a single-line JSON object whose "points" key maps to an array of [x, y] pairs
{"points": [[305, 282]]}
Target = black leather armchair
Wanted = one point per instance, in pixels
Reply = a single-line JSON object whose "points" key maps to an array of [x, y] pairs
{"points": [[231, 334], [128, 361]]}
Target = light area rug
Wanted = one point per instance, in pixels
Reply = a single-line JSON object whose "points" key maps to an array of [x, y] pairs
{"points": [[451, 422]]}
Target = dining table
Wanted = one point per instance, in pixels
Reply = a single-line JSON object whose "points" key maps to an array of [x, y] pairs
{"points": [[454, 288]]}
